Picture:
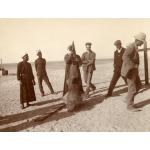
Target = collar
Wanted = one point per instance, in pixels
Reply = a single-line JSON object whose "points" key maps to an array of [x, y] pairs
{"points": [[119, 50]]}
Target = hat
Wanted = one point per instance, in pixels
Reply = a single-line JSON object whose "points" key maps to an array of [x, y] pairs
{"points": [[25, 54], [70, 47], [38, 52], [140, 36], [88, 43], [118, 42]]}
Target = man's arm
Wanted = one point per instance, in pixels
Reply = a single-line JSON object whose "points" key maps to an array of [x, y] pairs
{"points": [[114, 59], [36, 65], [127, 53], [18, 71], [68, 58], [92, 60]]}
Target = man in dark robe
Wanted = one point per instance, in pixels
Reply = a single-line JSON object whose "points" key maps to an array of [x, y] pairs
{"points": [[27, 82], [72, 58]]}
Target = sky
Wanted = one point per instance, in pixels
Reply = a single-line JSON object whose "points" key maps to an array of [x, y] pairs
{"points": [[53, 36]]}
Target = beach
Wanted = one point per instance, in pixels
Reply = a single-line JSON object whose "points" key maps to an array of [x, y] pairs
{"points": [[96, 113]]}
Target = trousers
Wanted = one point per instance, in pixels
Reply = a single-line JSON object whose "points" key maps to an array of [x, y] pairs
{"points": [[114, 80], [46, 79], [134, 84]]}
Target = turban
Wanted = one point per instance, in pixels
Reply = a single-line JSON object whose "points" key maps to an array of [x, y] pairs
{"points": [[140, 36]]}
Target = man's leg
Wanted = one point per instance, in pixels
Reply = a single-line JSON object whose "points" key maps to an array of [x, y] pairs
{"points": [[85, 74], [88, 84], [131, 91], [45, 78], [92, 86], [113, 82], [40, 78], [125, 80], [138, 83]]}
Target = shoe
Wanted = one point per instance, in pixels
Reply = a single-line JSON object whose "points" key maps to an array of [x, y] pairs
{"points": [[93, 88], [42, 94], [29, 104], [133, 109], [22, 107], [108, 95], [53, 92]]}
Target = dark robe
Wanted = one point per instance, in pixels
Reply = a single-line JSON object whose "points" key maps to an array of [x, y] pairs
{"points": [[25, 75], [69, 60]]}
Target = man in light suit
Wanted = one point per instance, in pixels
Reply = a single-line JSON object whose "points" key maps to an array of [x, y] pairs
{"points": [[88, 62], [130, 69]]}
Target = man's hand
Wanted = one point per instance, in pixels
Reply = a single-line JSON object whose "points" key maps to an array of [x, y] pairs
{"points": [[33, 81], [20, 82]]}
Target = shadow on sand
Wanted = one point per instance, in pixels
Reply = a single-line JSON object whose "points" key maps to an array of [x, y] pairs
{"points": [[27, 118]]}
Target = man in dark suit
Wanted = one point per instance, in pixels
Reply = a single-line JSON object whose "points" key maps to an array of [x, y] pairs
{"points": [[130, 69], [117, 66], [40, 67]]}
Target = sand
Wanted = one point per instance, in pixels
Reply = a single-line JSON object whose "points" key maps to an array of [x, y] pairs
{"points": [[96, 113]]}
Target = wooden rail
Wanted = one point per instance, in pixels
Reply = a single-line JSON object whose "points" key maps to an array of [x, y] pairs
{"points": [[145, 50]]}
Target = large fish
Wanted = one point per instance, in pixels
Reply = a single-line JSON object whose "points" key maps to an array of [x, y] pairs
{"points": [[73, 97]]}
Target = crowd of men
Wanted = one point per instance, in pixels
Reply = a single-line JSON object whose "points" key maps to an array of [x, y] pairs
{"points": [[126, 63]]}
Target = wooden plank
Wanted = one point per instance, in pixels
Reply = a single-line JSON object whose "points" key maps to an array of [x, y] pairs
{"points": [[141, 50], [146, 64]]}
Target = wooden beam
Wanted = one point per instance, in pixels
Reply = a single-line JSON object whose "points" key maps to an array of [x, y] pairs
{"points": [[146, 64], [141, 50]]}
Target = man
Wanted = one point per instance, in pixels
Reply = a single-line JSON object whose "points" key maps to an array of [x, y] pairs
{"points": [[88, 63], [40, 67], [72, 58], [73, 89], [130, 69], [117, 66], [26, 78]]}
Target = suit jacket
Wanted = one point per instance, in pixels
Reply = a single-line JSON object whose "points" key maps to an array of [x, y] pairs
{"points": [[118, 59], [88, 61], [130, 59]]}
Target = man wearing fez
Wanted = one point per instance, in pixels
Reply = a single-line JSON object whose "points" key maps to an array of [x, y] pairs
{"points": [[40, 67], [27, 82], [88, 63], [130, 69], [71, 58], [117, 66]]}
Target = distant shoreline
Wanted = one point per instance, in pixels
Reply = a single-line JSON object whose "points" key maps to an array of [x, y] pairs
{"points": [[60, 61]]}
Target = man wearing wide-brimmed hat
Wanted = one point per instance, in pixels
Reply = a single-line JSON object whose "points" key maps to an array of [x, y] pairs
{"points": [[130, 69], [117, 66], [40, 67]]}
